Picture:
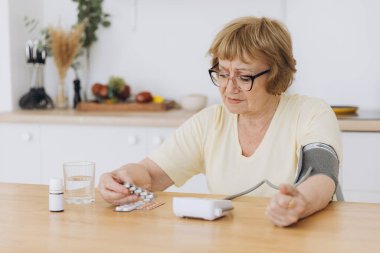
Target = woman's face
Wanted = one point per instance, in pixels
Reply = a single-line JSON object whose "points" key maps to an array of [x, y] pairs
{"points": [[244, 102]]}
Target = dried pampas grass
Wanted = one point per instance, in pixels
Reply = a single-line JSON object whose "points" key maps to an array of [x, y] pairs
{"points": [[64, 46]]}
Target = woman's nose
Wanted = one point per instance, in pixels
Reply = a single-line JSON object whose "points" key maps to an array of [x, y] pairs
{"points": [[232, 86]]}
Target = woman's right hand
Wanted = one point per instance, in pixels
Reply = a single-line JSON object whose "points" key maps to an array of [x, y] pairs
{"points": [[111, 184]]}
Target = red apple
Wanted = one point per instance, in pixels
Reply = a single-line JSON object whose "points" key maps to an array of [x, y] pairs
{"points": [[103, 92], [96, 89], [144, 97], [124, 93]]}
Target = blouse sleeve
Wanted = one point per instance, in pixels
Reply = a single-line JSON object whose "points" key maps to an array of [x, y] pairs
{"points": [[181, 155], [318, 123]]}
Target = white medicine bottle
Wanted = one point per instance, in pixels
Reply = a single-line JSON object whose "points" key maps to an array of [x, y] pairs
{"points": [[56, 195]]}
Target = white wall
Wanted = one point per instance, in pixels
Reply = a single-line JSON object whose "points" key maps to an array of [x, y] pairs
{"points": [[161, 46], [337, 47], [15, 73], [5, 69]]}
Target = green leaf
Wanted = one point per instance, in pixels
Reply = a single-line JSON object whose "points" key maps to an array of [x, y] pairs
{"points": [[91, 11], [106, 23]]}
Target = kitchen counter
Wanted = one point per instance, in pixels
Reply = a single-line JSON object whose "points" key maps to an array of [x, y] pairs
{"points": [[171, 118], [364, 121]]}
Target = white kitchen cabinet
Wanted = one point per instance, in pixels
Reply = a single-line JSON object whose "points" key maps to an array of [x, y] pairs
{"points": [[360, 173], [20, 153], [34, 153], [156, 136], [109, 147]]}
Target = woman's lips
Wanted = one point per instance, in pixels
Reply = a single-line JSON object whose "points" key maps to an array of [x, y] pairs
{"points": [[233, 100]]}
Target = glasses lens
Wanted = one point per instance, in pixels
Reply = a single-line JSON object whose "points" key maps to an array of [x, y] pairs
{"points": [[214, 77], [244, 82], [221, 80]]}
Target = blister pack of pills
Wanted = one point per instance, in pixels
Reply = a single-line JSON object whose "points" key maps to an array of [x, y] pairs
{"points": [[147, 201], [129, 207], [140, 192]]}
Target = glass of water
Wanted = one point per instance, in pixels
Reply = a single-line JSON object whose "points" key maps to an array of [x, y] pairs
{"points": [[79, 178]]}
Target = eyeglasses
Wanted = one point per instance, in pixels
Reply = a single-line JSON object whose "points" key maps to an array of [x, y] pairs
{"points": [[244, 82]]}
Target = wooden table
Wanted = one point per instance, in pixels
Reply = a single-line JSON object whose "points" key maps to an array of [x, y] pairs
{"points": [[26, 225]]}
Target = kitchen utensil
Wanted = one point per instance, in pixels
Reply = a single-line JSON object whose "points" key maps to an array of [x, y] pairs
{"points": [[29, 51], [36, 98], [125, 107]]}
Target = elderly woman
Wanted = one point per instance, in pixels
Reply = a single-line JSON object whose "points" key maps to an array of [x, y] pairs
{"points": [[258, 133]]}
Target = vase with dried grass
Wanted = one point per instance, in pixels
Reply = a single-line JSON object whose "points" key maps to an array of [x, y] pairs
{"points": [[64, 47]]}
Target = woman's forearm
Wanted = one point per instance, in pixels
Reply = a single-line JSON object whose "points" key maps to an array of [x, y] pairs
{"points": [[159, 179], [318, 191]]}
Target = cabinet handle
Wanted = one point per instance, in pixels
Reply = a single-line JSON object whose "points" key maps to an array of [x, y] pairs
{"points": [[157, 140], [27, 137], [132, 140]]}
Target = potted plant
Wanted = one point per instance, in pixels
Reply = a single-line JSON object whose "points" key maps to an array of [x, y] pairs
{"points": [[92, 15], [64, 45]]}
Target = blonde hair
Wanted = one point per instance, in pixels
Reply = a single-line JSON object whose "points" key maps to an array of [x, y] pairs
{"points": [[254, 38]]}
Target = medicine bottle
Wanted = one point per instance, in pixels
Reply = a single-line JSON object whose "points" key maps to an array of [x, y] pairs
{"points": [[55, 195]]}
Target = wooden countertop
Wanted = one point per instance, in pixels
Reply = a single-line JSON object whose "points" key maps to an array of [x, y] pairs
{"points": [[26, 225], [364, 121], [170, 118]]}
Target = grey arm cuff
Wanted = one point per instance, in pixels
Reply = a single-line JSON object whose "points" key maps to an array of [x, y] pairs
{"points": [[322, 158]]}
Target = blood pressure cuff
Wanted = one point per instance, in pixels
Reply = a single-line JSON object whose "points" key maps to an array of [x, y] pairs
{"points": [[321, 158]]}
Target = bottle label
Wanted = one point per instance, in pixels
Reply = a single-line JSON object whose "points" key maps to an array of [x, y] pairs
{"points": [[56, 202]]}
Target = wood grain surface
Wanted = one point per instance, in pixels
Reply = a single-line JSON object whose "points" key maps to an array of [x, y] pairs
{"points": [[26, 225], [124, 107]]}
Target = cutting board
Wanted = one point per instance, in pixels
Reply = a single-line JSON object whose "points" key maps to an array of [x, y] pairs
{"points": [[125, 107]]}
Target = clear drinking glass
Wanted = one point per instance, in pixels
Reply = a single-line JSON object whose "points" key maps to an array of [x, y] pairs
{"points": [[79, 178]]}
